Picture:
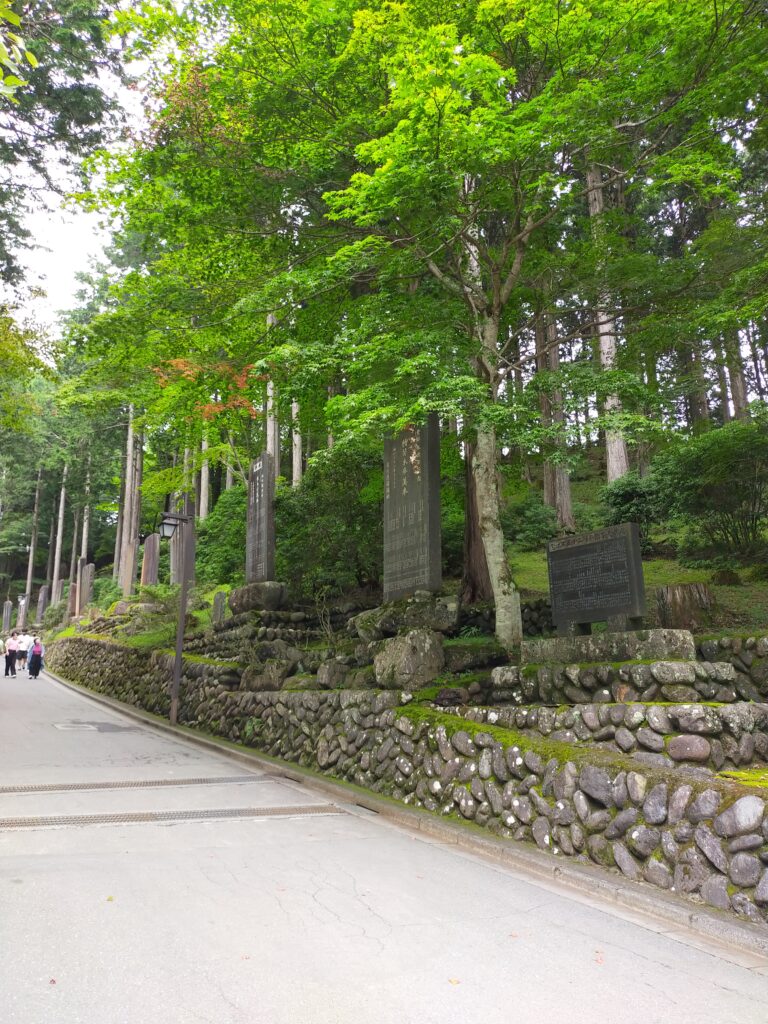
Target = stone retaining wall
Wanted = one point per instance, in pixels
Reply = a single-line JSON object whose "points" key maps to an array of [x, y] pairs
{"points": [[675, 681], [720, 737], [704, 839], [749, 657]]}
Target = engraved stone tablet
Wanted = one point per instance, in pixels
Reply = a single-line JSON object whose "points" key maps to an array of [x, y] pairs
{"points": [[260, 537], [150, 560], [412, 511], [86, 596], [7, 612], [219, 607], [596, 576], [42, 602]]}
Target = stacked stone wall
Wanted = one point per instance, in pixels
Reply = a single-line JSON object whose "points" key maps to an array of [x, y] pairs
{"points": [[704, 838]]}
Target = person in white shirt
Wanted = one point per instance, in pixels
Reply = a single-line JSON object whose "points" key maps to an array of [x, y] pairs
{"points": [[25, 642]]}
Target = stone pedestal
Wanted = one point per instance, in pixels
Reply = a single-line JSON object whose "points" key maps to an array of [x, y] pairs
{"points": [[151, 561], [412, 559]]}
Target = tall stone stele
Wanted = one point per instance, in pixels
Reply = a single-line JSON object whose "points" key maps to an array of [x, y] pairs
{"points": [[150, 562], [260, 535], [86, 593], [42, 602], [7, 613], [412, 558]]}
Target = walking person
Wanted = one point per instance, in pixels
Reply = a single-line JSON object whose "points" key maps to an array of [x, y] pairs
{"points": [[11, 653], [35, 657], [25, 642]]}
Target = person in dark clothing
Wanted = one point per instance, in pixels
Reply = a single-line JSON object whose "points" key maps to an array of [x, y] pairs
{"points": [[11, 653], [35, 658]]}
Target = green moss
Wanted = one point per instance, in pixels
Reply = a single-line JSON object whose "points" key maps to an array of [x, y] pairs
{"points": [[754, 777]]}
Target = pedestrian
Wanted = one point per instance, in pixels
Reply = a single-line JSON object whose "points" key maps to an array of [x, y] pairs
{"points": [[35, 657], [24, 645], [11, 653]]}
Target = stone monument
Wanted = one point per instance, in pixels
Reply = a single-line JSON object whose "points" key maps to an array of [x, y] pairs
{"points": [[151, 560], [219, 607], [21, 615], [42, 602], [260, 537], [72, 605], [86, 594], [412, 559], [7, 612], [597, 577]]}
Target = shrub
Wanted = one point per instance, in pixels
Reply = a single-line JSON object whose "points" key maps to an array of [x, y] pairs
{"points": [[54, 615], [719, 483], [220, 550], [105, 592], [329, 537], [633, 499], [529, 523]]}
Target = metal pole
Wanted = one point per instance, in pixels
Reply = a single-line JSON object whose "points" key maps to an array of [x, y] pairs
{"points": [[186, 527]]}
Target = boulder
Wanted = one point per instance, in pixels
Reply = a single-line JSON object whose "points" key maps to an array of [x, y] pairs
{"points": [[267, 596], [436, 612], [411, 661]]}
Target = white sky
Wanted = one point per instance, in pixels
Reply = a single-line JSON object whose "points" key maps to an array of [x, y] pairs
{"points": [[68, 239]]}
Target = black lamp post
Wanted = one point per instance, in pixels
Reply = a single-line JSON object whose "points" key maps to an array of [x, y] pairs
{"points": [[168, 526]]}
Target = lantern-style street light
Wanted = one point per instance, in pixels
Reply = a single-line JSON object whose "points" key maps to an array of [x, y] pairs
{"points": [[171, 521]]}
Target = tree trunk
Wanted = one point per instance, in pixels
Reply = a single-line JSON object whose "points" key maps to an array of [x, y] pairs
{"points": [[273, 428], [475, 581], [296, 446], [685, 605], [73, 555], [735, 366], [755, 353], [33, 544], [557, 480], [205, 482], [56, 582], [722, 377], [509, 623], [121, 511], [86, 513], [617, 460], [51, 552], [129, 556]]}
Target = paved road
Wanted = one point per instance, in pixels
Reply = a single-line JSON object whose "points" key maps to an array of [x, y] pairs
{"points": [[301, 912]]}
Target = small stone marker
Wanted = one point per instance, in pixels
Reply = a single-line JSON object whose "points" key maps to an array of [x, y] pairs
{"points": [[150, 563], [21, 615], [260, 536], [596, 577], [7, 612], [412, 559], [219, 607], [86, 595], [42, 602]]}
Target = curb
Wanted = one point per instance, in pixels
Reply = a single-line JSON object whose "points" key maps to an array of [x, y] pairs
{"points": [[586, 883]]}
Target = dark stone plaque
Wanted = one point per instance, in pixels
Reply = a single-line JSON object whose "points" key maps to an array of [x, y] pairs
{"points": [[412, 558], [595, 577], [260, 538]]}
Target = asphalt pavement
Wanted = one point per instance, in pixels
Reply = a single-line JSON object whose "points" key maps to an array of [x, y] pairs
{"points": [[144, 880]]}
